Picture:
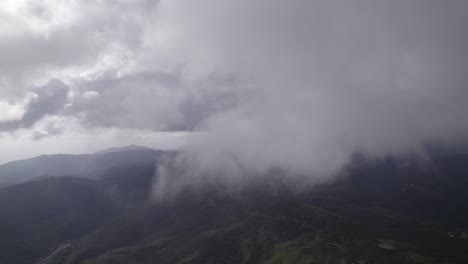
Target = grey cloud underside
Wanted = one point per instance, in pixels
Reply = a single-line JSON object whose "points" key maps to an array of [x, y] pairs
{"points": [[49, 99], [148, 101], [153, 101]]}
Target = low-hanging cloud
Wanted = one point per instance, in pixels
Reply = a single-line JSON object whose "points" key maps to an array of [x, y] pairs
{"points": [[327, 79]]}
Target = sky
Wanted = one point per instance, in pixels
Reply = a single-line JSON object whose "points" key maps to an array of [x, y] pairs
{"points": [[299, 85]]}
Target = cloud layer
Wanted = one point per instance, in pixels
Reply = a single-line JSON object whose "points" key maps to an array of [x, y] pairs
{"points": [[297, 85], [327, 78]]}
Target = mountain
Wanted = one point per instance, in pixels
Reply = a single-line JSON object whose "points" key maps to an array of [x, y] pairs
{"points": [[87, 165], [45, 214], [124, 148], [41, 214], [382, 211]]}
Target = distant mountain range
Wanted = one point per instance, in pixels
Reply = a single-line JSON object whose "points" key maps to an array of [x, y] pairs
{"points": [[86, 165], [120, 149]]}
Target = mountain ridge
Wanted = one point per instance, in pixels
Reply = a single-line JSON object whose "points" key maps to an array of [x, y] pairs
{"points": [[122, 148], [81, 165]]}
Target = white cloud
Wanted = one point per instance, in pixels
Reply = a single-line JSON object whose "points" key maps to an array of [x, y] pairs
{"points": [[11, 111]]}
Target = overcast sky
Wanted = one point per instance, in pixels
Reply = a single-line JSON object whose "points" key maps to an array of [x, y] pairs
{"points": [[297, 84]]}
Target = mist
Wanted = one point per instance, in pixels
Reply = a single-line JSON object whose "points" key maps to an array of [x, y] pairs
{"points": [[322, 80]]}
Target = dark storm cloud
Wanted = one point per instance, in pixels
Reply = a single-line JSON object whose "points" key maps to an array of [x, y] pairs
{"points": [[49, 99], [152, 101]]}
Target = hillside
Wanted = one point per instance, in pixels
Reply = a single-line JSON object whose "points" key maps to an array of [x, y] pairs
{"points": [[381, 212]]}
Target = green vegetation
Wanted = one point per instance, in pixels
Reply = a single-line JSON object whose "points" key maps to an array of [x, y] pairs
{"points": [[353, 221]]}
